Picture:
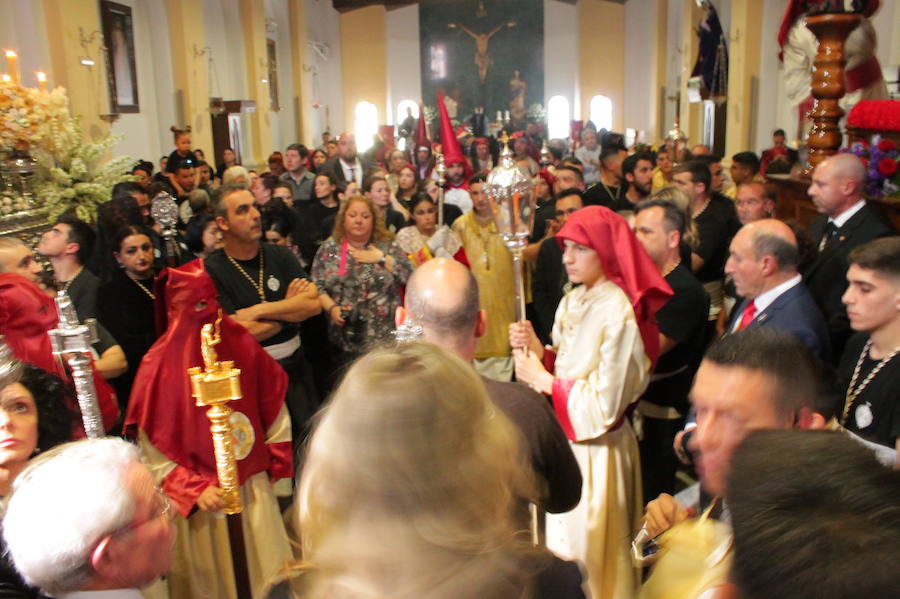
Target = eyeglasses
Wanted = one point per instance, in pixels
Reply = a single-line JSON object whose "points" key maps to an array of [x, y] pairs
{"points": [[163, 508]]}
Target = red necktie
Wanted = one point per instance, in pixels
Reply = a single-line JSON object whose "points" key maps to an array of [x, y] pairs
{"points": [[747, 315]]}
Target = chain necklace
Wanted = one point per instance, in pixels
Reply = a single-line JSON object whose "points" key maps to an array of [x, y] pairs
{"points": [[67, 284], [257, 286], [144, 289], [484, 235], [702, 210], [852, 393]]}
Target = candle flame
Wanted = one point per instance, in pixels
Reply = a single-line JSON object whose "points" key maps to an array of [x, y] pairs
{"points": [[6, 78], [41, 76], [10, 54]]}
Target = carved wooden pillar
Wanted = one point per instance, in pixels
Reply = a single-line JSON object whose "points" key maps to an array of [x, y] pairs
{"points": [[828, 83]]}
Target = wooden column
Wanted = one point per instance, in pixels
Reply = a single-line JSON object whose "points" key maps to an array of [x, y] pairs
{"points": [[743, 68], [190, 70], [363, 61]]}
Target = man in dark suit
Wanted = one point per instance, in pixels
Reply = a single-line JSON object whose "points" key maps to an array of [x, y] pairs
{"points": [[347, 166], [847, 221], [763, 263]]}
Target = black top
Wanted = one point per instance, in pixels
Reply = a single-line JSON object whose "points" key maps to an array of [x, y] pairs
{"points": [[547, 283], [546, 210], [549, 451], [599, 194], [83, 293], [310, 227], [683, 319], [175, 159], [126, 309], [875, 413], [716, 225], [236, 291]]}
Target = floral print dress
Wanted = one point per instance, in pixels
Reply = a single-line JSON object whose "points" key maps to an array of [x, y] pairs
{"points": [[370, 290]]}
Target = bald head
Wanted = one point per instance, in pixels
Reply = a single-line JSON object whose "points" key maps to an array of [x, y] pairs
{"points": [[442, 297], [847, 167], [770, 236], [837, 184]]}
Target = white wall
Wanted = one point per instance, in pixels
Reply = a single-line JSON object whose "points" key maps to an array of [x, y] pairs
{"points": [[146, 133], [640, 75], [561, 54], [403, 60], [323, 27], [19, 20], [284, 122]]}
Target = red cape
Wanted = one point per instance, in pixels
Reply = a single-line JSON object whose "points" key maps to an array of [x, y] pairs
{"points": [[26, 314], [163, 406], [625, 263]]}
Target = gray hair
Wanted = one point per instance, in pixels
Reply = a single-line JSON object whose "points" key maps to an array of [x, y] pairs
{"points": [[785, 253], [233, 174], [62, 505]]}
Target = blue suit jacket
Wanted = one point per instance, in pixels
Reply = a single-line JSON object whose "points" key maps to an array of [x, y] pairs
{"points": [[794, 311]]}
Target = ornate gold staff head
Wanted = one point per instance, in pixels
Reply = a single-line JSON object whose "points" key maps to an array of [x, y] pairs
{"points": [[214, 386]]}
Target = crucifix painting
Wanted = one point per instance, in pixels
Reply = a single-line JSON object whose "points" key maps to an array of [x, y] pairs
{"points": [[473, 51]]}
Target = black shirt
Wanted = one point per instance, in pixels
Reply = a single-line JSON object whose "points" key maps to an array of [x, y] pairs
{"points": [[600, 194], [682, 319], [875, 413], [716, 225], [175, 160], [237, 290], [547, 283]]}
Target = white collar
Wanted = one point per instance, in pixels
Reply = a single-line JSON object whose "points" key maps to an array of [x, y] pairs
{"points": [[113, 594], [765, 299], [841, 219]]}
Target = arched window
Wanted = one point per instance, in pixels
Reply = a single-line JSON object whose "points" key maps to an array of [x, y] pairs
{"points": [[366, 125], [601, 112], [558, 118], [402, 107]]}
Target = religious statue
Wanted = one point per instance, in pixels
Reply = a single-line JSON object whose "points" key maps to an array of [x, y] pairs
{"points": [[482, 60], [517, 87]]}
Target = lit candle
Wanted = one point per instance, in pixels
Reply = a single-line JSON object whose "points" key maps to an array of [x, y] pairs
{"points": [[42, 80], [12, 63], [6, 78]]}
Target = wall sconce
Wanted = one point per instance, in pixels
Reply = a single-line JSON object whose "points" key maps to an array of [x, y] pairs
{"points": [[86, 40]]}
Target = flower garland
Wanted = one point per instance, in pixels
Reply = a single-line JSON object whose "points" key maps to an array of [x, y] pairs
{"points": [[881, 158], [28, 116]]}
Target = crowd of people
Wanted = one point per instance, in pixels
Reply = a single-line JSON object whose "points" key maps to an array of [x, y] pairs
{"points": [[676, 329]]}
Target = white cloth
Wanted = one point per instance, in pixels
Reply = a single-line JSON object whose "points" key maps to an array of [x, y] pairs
{"points": [[599, 346], [588, 158], [458, 197], [800, 51], [352, 171]]}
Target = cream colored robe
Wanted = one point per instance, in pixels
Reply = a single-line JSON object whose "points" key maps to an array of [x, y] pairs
{"points": [[201, 559], [599, 347]]}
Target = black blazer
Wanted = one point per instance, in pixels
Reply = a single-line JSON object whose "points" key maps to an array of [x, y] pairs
{"points": [[795, 312], [334, 167], [826, 275]]}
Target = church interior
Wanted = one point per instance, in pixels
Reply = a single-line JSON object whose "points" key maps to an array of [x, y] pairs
{"points": [[449, 298]]}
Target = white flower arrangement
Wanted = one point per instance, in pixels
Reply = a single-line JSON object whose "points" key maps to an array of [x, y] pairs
{"points": [[71, 172]]}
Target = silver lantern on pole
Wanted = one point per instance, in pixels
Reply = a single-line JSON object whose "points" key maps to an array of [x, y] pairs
{"points": [[440, 170], [73, 341], [511, 194]]}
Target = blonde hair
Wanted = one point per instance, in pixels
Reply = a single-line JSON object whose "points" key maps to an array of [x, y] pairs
{"points": [[678, 197], [411, 484], [379, 229]]}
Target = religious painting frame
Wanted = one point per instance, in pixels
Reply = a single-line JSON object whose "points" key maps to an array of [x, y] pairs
{"points": [[121, 64], [272, 74]]}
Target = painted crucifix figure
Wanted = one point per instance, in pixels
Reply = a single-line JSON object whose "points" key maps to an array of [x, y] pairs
{"points": [[482, 59]]}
